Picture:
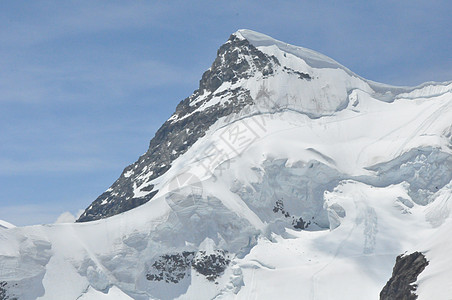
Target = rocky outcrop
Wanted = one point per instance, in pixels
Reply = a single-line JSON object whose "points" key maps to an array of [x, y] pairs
{"points": [[406, 270], [297, 223], [172, 268], [4, 294], [211, 265], [237, 59]]}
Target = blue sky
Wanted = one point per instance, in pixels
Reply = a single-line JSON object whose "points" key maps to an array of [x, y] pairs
{"points": [[84, 85]]}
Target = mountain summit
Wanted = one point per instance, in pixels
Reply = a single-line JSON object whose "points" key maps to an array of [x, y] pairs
{"points": [[281, 173], [237, 60], [248, 69]]}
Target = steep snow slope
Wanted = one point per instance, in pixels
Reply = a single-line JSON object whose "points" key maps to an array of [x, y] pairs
{"points": [[5, 225], [304, 179]]}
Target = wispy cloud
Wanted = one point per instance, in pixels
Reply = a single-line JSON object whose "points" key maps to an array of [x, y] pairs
{"points": [[33, 23], [68, 217], [69, 51], [75, 81], [10, 167]]}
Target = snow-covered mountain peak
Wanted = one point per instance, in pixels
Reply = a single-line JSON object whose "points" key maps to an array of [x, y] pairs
{"points": [[253, 74], [311, 57], [282, 171], [314, 59], [259, 66], [244, 80]]}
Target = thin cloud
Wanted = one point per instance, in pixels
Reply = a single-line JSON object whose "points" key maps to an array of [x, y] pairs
{"points": [[12, 167], [68, 217], [36, 23], [75, 81]]}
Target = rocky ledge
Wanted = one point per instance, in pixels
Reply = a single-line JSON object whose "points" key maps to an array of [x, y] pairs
{"points": [[174, 267], [406, 270]]}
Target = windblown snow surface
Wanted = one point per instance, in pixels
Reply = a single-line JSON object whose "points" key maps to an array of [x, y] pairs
{"points": [[5, 225], [309, 193]]}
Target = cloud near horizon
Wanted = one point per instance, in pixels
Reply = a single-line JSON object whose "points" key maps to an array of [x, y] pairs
{"points": [[68, 217]]}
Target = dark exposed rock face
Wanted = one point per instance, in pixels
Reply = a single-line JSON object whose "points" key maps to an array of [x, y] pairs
{"points": [[297, 223], [4, 295], [172, 268], [211, 265], [237, 59], [299, 74], [405, 272]]}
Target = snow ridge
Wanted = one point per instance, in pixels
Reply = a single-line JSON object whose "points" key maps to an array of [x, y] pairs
{"points": [[284, 169]]}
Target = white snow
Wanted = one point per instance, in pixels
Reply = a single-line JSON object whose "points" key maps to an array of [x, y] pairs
{"points": [[6, 225], [113, 293], [369, 166], [313, 58], [128, 173]]}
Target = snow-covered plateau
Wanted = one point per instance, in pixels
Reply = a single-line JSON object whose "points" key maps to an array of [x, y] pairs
{"points": [[284, 176]]}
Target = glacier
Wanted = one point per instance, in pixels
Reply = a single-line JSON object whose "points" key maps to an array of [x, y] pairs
{"points": [[286, 176]]}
